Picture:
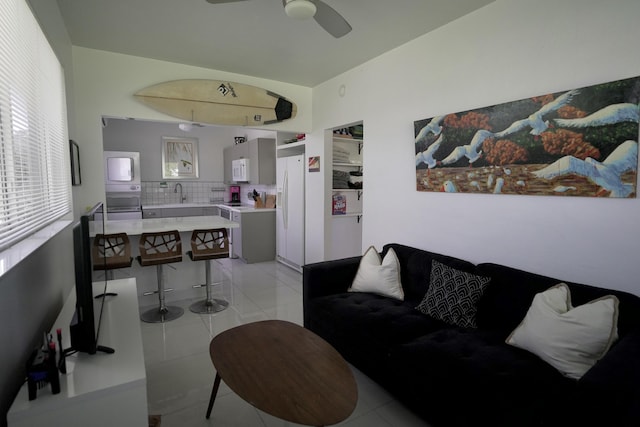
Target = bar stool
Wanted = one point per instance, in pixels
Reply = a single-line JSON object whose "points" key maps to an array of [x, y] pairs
{"points": [[111, 252], [207, 245], [158, 249]]}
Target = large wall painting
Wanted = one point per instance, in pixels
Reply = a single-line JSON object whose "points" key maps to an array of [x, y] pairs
{"points": [[581, 142]]}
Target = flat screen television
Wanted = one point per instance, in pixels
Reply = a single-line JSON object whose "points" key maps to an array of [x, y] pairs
{"points": [[84, 330]]}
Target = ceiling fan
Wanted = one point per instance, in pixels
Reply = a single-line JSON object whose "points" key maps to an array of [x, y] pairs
{"points": [[324, 14]]}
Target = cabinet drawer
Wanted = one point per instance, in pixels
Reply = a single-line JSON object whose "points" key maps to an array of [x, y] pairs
{"points": [[152, 213]]}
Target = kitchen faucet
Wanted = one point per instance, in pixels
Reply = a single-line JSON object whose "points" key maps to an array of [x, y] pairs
{"points": [[175, 190]]}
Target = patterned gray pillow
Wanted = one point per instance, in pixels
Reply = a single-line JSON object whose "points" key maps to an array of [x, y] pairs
{"points": [[453, 295]]}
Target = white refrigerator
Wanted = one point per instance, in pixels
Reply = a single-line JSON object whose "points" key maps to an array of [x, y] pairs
{"points": [[290, 211]]}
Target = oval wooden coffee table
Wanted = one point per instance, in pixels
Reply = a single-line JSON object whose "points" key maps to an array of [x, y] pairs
{"points": [[284, 370]]}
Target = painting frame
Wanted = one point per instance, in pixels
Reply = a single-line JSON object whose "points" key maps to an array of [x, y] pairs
{"points": [[74, 152], [575, 143], [314, 164], [179, 158]]}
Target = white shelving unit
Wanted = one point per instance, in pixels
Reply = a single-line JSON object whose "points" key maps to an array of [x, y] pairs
{"points": [[352, 148], [285, 148], [346, 228]]}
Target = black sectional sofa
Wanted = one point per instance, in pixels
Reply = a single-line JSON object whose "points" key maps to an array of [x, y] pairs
{"points": [[469, 376]]}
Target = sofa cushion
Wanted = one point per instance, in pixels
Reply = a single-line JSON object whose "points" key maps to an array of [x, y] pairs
{"points": [[369, 317], [415, 269], [454, 372], [508, 298], [363, 326], [380, 276], [453, 295], [571, 339]]}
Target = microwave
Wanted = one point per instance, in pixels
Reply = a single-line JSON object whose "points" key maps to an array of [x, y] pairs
{"points": [[240, 170]]}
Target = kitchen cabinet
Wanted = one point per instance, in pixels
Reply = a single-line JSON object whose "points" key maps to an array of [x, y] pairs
{"points": [[262, 161], [346, 236], [261, 153], [151, 213], [255, 239], [236, 235]]}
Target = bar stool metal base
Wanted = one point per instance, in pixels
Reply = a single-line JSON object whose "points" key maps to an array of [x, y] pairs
{"points": [[209, 305], [214, 305], [158, 315]]}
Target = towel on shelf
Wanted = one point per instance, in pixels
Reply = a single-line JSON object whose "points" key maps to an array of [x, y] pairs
{"points": [[340, 179], [340, 155]]}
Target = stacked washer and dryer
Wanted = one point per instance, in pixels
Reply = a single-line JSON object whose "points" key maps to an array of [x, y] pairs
{"points": [[122, 185]]}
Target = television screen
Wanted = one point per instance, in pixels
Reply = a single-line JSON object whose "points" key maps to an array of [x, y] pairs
{"points": [[85, 326]]}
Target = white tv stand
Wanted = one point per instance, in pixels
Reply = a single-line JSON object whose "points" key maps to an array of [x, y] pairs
{"points": [[101, 389]]}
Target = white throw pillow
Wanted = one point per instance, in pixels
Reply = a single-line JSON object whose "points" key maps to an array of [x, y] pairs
{"points": [[571, 339], [379, 276]]}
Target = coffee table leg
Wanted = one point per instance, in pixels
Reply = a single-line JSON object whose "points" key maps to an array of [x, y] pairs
{"points": [[214, 392]]}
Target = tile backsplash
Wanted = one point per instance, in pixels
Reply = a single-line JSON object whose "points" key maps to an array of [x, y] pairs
{"points": [[164, 192]]}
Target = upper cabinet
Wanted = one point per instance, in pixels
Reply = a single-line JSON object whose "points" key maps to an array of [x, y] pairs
{"points": [[262, 165], [261, 153]]}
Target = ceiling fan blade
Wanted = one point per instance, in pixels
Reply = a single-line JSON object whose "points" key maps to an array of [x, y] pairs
{"points": [[330, 20], [222, 1]]}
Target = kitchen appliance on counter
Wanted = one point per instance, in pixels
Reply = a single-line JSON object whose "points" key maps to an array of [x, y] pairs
{"points": [[234, 191], [122, 185]]}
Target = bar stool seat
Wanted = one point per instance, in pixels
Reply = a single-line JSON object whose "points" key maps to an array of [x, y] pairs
{"points": [[208, 245], [158, 249], [111, 252]]}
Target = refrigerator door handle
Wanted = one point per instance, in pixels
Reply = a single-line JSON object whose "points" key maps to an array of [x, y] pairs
{"points": [[285, 199]]}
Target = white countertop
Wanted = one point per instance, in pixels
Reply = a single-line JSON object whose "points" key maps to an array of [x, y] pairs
{"points": [[150, 225], [181, 205], [246, 208], [242, 208]]}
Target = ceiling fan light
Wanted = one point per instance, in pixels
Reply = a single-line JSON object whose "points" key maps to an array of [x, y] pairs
{"points": [[300, 9]]}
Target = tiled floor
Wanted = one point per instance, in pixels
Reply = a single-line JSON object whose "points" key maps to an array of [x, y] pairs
{"points": [[180, 373]]}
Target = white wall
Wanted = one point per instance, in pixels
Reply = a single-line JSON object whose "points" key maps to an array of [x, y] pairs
{"points": [[146, 137], [509, 50], [104, 84]]}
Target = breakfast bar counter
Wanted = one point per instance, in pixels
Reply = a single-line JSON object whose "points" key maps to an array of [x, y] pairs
{"points": [[182, 275], [135, 227]]}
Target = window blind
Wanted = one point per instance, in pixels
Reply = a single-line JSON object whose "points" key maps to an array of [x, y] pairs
{"points": [[35, 187]]}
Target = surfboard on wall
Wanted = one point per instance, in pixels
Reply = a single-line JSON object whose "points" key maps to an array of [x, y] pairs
{"points": [[217, 102]]}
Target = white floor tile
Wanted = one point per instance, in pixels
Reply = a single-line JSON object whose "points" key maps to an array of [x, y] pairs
{"points": [[180, 373]]}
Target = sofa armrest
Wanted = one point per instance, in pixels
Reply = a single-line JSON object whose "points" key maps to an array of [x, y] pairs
{"points": [[612, 386], [328, 277]]}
